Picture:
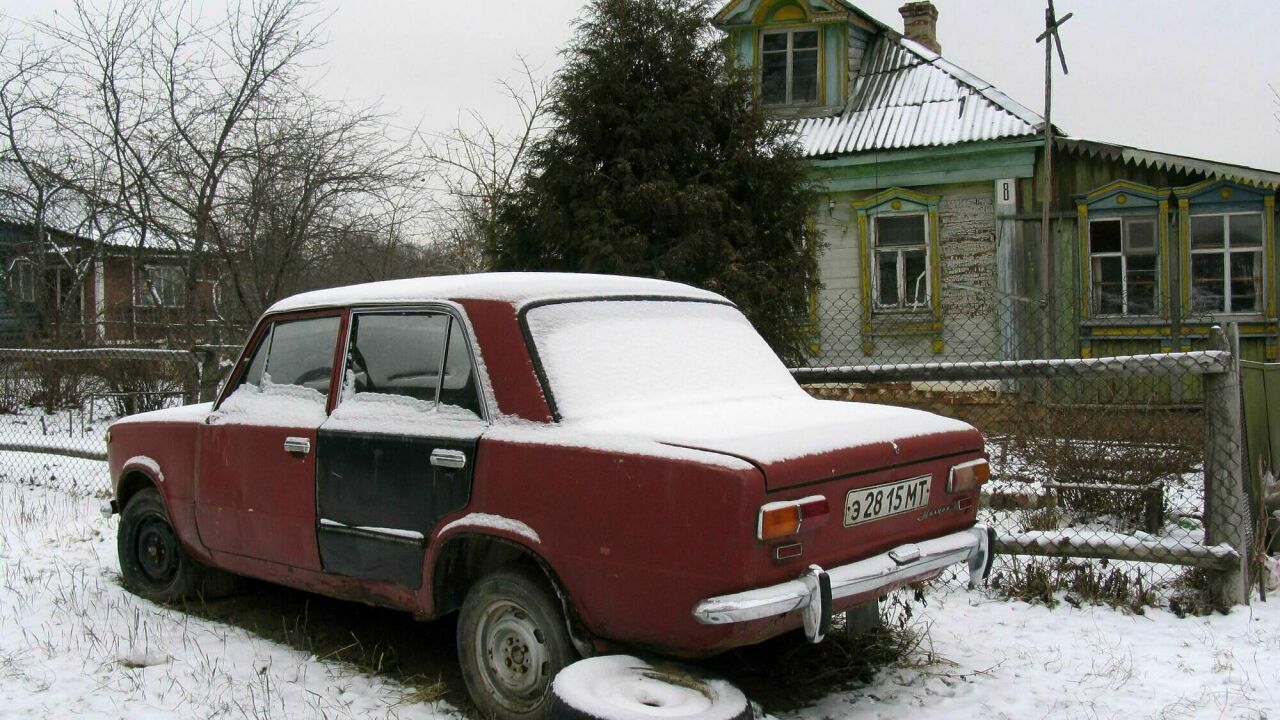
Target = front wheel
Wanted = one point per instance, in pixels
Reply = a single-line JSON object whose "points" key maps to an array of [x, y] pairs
{"points": [[512, 641], [152, 561]]}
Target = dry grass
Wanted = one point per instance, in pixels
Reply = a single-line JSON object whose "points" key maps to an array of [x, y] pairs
{"points": [[788, 673], [1077, 582]]}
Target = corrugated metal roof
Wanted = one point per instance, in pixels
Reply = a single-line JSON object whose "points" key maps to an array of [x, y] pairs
{"points": [[907, 96]]}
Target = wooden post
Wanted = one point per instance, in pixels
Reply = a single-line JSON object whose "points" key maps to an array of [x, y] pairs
{"points": [[1049, 344], [1226, 511]]}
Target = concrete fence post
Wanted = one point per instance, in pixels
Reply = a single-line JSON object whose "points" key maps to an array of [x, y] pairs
{"points": [[208, 359], [1226, 511]]}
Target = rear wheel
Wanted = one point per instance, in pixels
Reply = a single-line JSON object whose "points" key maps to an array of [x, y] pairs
{"points": [[152, 561], [512, 641]]}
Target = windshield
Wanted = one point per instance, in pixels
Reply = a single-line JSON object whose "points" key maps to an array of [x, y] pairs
{"points": [[605, 357]]}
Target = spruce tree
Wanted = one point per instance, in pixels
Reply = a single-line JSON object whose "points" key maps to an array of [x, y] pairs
{"points": [[659, 163]]}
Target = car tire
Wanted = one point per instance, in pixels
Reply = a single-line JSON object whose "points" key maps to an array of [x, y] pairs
{"points": [[152, 561], [512, 641], [621, 687]]}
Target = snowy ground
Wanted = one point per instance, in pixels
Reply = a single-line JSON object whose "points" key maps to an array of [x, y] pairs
{"points": [[74, 644]]}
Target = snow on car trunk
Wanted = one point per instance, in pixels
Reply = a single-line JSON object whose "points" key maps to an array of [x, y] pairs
{"points": [[697, 375]]}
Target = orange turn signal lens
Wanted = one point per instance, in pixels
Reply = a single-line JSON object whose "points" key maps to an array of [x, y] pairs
{"points": [[968, 476], [779, 522], [780, 519]]}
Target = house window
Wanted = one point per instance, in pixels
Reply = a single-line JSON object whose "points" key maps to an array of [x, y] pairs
{"points": [[162, 286], [1123, 260], [22, 276], [901, 263], [1226, 263], [789, 67]]}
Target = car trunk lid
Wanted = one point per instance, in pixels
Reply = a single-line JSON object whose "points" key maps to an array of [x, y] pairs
{"points": [[799, 442]]}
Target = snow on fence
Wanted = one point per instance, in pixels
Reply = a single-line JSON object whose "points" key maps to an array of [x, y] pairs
{"points": [[1215, 534], [55, 404]]}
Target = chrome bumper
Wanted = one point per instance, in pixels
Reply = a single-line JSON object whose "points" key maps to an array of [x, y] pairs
{"points": [[816, 589]]}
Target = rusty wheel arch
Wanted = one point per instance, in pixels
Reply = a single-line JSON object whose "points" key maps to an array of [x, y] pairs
{"points": [[132, 483], [467, 557]]}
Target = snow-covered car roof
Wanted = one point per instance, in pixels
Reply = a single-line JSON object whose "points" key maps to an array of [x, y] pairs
{"points": [[518, 288]]}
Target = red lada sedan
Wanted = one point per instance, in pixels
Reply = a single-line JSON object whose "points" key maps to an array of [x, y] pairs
{"points": [[573, 463]]}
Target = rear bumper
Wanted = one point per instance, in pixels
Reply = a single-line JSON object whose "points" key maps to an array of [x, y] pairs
{"points": [[815, 590]]}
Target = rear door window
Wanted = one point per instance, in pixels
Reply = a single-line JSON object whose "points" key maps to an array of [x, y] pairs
{"points": [[400, 354], [402, 363]]}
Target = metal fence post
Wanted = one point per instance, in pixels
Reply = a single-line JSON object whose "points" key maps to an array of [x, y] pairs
{"points": [[1226, 512]]}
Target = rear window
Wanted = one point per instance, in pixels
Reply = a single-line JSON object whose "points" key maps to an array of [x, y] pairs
{"points": [[616, 356]]}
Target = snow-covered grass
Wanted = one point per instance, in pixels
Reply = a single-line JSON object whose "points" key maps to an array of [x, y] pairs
{"points": [[73, 643], [998, 659]]}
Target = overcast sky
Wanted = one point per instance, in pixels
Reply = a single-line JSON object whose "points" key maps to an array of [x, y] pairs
{"points": [[1182, 76]]}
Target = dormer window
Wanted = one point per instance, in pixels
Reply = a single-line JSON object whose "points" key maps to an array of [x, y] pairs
{"points": [[789, 67]]}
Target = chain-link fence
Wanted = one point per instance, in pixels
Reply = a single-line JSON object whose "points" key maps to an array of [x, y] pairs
{"points": [[1115, 443], [1116, 449], [55, 406]]}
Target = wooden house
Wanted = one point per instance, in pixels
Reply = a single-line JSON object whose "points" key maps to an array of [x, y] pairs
{"points": [[73, 291], [932, 212]]}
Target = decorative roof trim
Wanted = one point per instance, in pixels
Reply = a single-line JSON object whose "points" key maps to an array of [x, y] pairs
{"points": [[1153, 194], [1262, 179]]}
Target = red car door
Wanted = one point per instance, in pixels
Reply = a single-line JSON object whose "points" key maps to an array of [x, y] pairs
{"points": [[255, 494]]}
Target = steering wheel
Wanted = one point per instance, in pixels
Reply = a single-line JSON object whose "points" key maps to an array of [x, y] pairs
{"points": [[360, 366]]}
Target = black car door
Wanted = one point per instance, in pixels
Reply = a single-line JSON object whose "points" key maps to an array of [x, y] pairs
{"points": [[397, 454]]}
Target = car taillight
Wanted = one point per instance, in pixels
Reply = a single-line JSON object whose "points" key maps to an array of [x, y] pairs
{"points": [[780, 519], [968, 476]]}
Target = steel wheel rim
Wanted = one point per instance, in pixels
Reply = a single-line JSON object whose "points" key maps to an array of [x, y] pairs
{"points": [[511, 651], [157, 550]]}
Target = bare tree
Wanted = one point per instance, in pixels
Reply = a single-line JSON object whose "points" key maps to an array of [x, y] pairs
{"points": [[214, 146], [40, 270], [166, 96], [479, 165], [173, 131], [316, 182]]}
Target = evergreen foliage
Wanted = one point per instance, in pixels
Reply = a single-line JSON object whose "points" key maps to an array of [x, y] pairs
{"points": [[659, 163]]}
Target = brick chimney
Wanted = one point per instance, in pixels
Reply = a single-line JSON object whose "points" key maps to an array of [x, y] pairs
{"points": [[920, 23]]}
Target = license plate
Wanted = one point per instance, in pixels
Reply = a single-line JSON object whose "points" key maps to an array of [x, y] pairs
{"points": [[882, 501]]}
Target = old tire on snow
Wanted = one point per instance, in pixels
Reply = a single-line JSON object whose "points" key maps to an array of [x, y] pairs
{"points": [[152, 561], [621, 687], [512, 641]]}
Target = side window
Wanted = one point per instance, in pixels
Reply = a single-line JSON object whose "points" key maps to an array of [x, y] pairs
{"points": [[459, 387], [398, 354], [301, 353], [296, 353], [417, 362]]}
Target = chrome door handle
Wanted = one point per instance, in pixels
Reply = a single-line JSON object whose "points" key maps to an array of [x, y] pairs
{"points": [[453, 459], [297, 445]]}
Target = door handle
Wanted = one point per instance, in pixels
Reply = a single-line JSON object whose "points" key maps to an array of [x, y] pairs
{"points": [[297, 445], [453, 459]]}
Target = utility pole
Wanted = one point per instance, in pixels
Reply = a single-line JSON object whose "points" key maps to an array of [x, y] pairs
{"points": [[1051, 40]]}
